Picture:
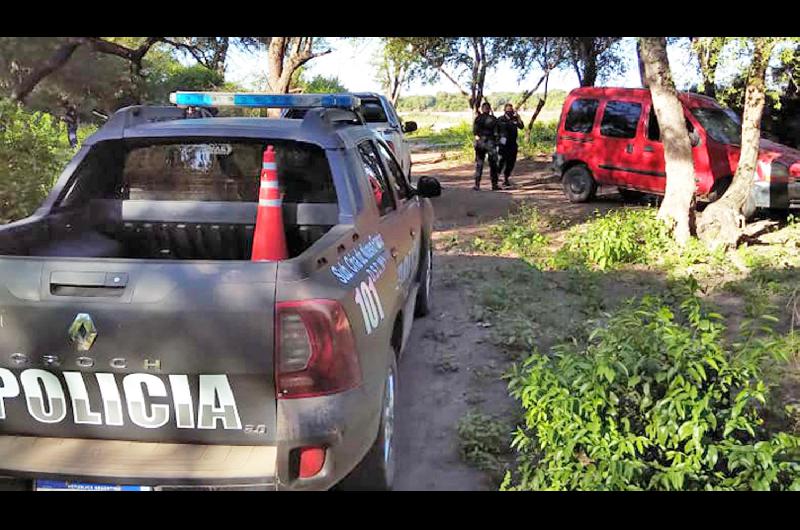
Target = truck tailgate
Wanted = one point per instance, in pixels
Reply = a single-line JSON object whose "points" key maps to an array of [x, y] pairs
{"points": [[160, 351]]}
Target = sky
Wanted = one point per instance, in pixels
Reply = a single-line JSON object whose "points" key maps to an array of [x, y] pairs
{"points": [[351, 63]]}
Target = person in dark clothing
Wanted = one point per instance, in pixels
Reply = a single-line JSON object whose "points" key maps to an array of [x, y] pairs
{"points": [[485, 130], [507, 126], [71, 121]]}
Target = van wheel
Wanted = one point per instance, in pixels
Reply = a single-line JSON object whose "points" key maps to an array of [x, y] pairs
{"points": [[376, 470], [579, 186], [424, 298]]}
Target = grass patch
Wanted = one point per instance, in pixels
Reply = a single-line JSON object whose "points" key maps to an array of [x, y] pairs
{"points": [[484, 442]]}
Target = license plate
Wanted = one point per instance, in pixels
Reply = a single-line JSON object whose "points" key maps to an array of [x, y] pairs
{"points": [[58, 485]]}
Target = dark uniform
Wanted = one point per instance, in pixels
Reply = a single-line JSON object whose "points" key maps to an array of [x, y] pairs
{"points": [[507, 131], [71, 120], [485, 127]]}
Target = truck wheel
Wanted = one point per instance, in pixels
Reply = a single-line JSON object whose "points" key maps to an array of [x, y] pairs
{"points": [[424, 298], [579, 186], [376, 470]]}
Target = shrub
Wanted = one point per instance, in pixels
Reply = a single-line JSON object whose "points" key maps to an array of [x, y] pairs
{"points": [[483, 442], [520, 233], [668, 407], [33, 150], [616, 238]]}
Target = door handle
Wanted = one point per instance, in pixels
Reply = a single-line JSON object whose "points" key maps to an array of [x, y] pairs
{"points": [[648, 149], [629, 148], [88, 284]]}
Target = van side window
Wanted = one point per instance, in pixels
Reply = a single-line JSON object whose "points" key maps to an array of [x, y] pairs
{"points": [[654, 131], [377, 178], [620, 119], [580, 117]]}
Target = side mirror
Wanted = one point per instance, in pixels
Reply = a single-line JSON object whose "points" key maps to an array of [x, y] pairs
{"points": [[694, 138], [429, 187], [409, 126]]}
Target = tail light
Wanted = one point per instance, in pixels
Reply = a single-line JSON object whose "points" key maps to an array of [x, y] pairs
{"points": [[391, 146], [314, 349]]}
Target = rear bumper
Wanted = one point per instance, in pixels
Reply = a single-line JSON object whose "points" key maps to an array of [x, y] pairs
{"points": [[160, 465], [344, 424], [779, 195]]}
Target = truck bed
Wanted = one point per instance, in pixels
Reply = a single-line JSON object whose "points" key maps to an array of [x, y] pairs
{"points": [[161, 230]]}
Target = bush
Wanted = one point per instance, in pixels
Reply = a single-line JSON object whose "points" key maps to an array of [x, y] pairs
{"points": [[669, 407], [520, 234], [33, 150], [616, 238]]}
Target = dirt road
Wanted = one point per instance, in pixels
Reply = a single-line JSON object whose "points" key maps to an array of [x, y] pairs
{"points": [[450, 365]]}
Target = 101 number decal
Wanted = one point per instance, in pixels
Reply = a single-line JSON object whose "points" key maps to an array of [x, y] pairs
{"points": [[370, 303]]}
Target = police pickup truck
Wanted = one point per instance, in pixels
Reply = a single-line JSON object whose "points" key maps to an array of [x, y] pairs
{"points": [[142, 345]]}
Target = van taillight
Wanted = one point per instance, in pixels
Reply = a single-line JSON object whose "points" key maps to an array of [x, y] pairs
{"points": [[391, 146], [314, 349]]}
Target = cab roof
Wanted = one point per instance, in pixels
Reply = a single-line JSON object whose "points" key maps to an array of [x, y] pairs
{"points": [[166, 122]]}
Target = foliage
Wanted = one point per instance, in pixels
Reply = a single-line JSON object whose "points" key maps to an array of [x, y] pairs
{"points": [[483, 441], [165, 75], [616, 238], [33, 150], [519, 233], [670, 407], [319, 84]]}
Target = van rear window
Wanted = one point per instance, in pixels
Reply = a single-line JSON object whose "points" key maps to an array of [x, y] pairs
{"points": [[199, 170], [580, 117], [620, 119]]}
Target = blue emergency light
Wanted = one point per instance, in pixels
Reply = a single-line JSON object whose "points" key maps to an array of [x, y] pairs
{"points": [[256, 100]]}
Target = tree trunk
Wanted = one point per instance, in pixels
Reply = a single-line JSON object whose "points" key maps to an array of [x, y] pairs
{"points": [[284, 56], [539, 107], [707, 50], [721, 223], [59, 58], [679, 196], [642, 75], [589, 76]]}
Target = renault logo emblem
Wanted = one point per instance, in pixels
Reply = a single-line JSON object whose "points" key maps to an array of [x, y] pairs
{"points": [[82, 332]]}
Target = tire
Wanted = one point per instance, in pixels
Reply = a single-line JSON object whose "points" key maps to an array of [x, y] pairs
{"points": [[376, 471], [424, 297], [578, 184]]}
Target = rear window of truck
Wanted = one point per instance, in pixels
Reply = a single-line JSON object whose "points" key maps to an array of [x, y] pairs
{"points": [[199, 170]]}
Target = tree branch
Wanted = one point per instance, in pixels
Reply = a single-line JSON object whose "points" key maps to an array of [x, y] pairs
{"points": [[58, 59]]}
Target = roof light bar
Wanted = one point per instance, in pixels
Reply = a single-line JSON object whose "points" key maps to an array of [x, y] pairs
{"points": [[256, 100]]}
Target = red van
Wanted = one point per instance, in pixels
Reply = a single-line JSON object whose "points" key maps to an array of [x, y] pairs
{"points": [[610, 136]]}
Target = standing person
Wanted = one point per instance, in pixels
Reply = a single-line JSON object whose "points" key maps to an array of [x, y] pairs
{"points": [[485, 130], [507, 128], [71, 120]]}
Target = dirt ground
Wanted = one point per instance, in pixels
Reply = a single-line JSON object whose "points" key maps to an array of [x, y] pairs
{"points": [[450, 365]]}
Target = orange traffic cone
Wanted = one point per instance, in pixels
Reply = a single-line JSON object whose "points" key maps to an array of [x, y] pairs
{"points": [[269, 239]]}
